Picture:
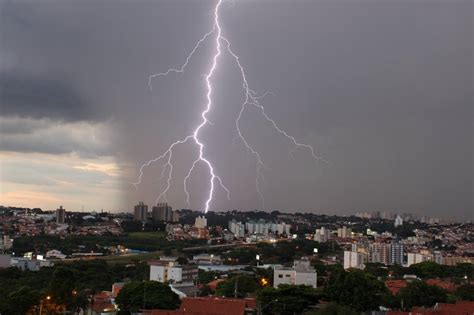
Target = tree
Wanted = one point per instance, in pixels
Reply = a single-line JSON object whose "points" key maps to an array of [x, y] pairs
{"points": [[62, 285], [428, 269], [205, 290], [19, 301], [357, 289], [418, 293], [334, 309], [243, 283], [466, 292], [287, 299], [147, 294], [207, 276]]}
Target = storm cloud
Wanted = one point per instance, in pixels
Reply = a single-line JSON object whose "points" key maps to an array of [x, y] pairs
{"points": [[382, 89]]}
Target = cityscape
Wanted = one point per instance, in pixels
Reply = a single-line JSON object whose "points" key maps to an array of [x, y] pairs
{"points": [[234, 157], [218, 259]]}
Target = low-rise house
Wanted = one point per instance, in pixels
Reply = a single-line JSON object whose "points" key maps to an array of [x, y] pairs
{"points": [[300, 274]]}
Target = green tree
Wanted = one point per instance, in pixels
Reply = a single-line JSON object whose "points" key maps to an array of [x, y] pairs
{"points": [[243, 283], [465, 292], [428, 269], [19, 301], [287, 299], [334, 309], [147, 294], [207, 276], [205, 290], [357, 289], [62, 285], [418, 293]]}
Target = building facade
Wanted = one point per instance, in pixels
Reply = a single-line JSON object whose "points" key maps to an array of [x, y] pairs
{"points": [[140, 212], [171, 271], [162, 212], [300, 274], [60, 215]]}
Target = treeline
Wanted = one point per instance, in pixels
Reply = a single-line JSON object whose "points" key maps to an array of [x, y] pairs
{"points": [[68, 285], [87, 243]]}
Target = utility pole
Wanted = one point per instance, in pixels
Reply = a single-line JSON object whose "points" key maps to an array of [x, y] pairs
{"points": [[236, 286]]}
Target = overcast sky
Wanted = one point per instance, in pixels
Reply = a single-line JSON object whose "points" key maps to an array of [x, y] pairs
{"points": [[383, 90]]}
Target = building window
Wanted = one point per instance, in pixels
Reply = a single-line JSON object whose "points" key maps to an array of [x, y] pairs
{"points": [[280, 276]]}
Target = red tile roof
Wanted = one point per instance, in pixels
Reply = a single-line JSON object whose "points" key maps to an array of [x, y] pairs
{"points": [[443, 284], [395, 285], [213, 284], [209, 306], [460, 308]]}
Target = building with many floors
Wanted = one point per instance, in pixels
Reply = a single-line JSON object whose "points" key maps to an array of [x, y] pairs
{"points": [[140, 212], [60, 215], [169, 270]]}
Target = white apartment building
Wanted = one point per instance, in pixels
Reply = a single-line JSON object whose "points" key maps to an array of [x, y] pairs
{"points": [[379, 253], [171, 271], [344, 232], [322, 235], [398, 221], [300, 274], [396, 253], [237, 228], [424, 255], [200, 222], [353, 259]]}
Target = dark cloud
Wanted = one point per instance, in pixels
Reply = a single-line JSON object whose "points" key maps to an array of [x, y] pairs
{"points": [[382, 89], [42, 98], [48, 136]]}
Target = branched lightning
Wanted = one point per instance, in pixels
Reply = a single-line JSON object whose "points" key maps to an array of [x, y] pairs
{"points": [[251, 98]]}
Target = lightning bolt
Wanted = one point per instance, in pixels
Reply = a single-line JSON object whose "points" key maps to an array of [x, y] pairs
{"points": [[251, 99]]}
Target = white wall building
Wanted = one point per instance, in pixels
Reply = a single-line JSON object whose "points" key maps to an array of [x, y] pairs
{"points": [[398, 221], [344, 232], [354, 259], [301, 274], [424, 255], [169, 271], [200, 222], [237, 228], [322, 235]]}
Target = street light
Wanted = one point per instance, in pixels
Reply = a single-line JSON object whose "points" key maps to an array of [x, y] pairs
{"points": [[258, 259]]}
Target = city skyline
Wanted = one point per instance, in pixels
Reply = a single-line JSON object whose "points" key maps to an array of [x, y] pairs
{"points": [[388, 105]]}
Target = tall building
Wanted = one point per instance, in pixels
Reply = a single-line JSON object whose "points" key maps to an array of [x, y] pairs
{"points": [[237, 228], [258, 227], [200, 222], [60, 215], [398, 221], [162, 212], [322, 235], [354, 259], [344, 232], [176, 216], [379, 253], [140, 212], [396, 254]]}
